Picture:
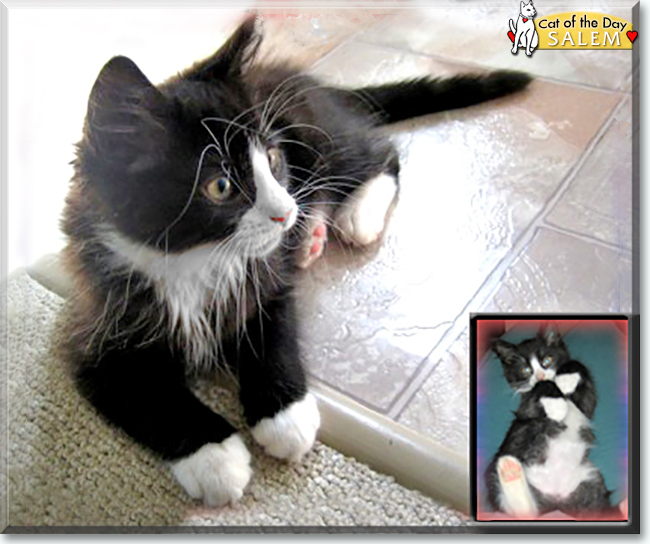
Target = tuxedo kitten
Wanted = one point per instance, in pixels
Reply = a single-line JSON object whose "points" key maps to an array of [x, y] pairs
{"points": [[543, 463], [546, 357], [193, 206]]}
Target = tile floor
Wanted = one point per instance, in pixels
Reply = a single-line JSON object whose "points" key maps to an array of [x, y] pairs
{"points": [[523, 204]]}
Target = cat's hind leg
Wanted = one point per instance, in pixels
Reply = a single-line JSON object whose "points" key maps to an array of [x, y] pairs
{"points": [[361, 219], [516, 497]]}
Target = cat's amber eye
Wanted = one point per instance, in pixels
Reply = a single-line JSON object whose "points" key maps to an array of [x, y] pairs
{"points": [[526, 371], [547, 361], [275, 160], [218, 189]]}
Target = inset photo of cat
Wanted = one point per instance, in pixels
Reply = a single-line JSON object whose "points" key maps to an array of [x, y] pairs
{"points": [[551, 418]]}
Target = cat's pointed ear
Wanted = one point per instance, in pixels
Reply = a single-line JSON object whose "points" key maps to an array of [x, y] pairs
{"points": [[123, 111], [522, 5], [232, 59], [504, 350], [552, 335]]}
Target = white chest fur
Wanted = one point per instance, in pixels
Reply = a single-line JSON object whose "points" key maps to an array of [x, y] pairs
{"points": [[186, 283], [563, 470]]}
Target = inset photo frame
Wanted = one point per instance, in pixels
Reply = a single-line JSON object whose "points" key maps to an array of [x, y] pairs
{"points": [[551, 428]]}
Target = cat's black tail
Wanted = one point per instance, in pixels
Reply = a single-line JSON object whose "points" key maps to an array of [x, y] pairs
{"points": [[395, 102]]}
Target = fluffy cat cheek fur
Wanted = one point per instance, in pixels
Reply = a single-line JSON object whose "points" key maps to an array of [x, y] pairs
{"points": [[216, 473], [291, 432]]}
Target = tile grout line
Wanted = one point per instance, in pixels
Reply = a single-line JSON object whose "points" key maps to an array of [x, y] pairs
{"points": [[491, 283], [349, 38], [426, 367], [585, 237]]}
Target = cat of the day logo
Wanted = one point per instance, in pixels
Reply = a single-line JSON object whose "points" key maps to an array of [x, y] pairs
{"points": [[570, 30]]}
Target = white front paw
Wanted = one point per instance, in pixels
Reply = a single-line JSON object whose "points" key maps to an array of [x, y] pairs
{"points": [[362, 218], [216, 473], [555, 408], [567, 383], [291, 432]]}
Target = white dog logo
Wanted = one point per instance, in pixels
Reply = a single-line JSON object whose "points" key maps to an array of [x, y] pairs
{"points": [[524, 34]]}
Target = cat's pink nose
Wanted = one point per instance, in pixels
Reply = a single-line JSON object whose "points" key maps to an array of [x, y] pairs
{"points": [[540, 376], [281, 219]]}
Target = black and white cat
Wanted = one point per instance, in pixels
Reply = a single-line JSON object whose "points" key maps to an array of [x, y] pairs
{"points": [[543, 463], [193, 206]]}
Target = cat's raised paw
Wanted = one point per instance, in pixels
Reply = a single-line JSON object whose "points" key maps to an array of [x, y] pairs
{"points": [[362, 217], [567, 383], [216, 473], [556, 408], [291, 432], [315, 244]]}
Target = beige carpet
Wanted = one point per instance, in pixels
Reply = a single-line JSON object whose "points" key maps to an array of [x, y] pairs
{"points": [[66, 467]]}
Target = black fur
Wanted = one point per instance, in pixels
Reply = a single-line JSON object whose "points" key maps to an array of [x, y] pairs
{"points": [[427, 95], [145, 154], [529, 434]]}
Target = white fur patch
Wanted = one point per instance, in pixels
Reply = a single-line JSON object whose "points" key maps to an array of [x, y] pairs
{"points": [[186, 282], [563, 470], [548, 373], [516, 498], [555, 408], [291, 432], [362, 217], [216, 473], [206, 278], [271, 199], [567, 383]]}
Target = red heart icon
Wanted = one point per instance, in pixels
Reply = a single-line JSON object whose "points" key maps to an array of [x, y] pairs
{"points": [[512, 36], [632, 35]]}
